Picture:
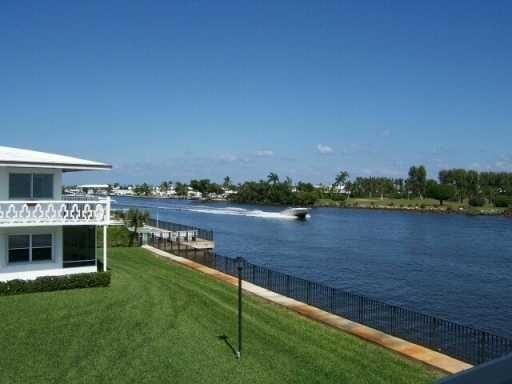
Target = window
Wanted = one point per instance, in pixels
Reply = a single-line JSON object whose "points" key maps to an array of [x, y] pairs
{"points": [[41, 247], [19, 248], [30, 186], [20, 185], [29, 248], [42, 186]]}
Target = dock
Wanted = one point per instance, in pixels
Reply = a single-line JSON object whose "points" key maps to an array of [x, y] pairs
{"points": [[189, 238]]}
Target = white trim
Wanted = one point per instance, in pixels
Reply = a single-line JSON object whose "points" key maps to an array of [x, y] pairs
{"points": [[34, 274]]}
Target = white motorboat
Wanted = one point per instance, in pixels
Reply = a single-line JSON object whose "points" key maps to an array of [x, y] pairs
{"points": [[299, 213]]}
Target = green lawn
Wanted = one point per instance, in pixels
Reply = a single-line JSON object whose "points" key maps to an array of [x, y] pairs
{"points": [[160, 323]]}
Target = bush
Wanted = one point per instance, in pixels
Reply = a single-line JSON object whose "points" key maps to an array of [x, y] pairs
{"points": [[117, 236], [477, 201], [503, 201], [55, 283]]}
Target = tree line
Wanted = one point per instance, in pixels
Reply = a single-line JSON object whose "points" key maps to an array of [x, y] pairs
{"points": [[452, 184], [459, 185]]}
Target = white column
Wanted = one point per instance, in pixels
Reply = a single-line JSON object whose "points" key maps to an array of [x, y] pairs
{"points": [[105, 247]]}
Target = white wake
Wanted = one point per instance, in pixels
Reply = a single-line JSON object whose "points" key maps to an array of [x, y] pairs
{"points": [[233, 211]]}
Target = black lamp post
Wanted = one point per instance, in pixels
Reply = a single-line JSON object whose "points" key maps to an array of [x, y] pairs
{"points": [[239, 266]]}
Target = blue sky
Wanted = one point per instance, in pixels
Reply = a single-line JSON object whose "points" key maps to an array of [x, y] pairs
{"points": [[193, 89]]}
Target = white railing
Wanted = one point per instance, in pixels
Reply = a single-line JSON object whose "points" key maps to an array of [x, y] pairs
{"points": [[55, 212]]}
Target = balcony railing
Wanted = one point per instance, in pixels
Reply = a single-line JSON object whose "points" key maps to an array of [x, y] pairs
{"points": [[92, 211]]}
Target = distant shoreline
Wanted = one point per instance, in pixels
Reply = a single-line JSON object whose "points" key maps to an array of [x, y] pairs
{"points": [[365, 204]]}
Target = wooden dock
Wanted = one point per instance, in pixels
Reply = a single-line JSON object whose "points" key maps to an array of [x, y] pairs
{"points": [[198, 243]]}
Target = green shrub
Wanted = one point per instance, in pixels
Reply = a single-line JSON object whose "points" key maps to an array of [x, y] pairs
{"points": [[55, 283], [117, 236], [391, 204], [477, 201], [423, 206], [503, 201]]}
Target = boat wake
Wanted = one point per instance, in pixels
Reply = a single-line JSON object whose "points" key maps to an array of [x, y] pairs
{"points": [[234, 211]]}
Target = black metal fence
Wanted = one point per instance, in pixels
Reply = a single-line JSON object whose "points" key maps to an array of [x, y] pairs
{"points": [[204, 234], [462, 342]]}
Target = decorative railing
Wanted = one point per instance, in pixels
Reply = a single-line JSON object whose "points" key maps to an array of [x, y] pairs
{"points": [[69, 211]]}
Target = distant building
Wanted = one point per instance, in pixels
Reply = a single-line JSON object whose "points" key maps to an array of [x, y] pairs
{"points": [[94, 189]]}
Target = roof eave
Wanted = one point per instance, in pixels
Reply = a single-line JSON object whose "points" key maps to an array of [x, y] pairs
{"points": [[64, 167]]}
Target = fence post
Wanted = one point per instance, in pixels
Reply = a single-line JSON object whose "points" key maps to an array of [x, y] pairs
{"points": [[288, 285], [434, 334], [360, 312], [269, 282], [308, 292], [482, 355]]}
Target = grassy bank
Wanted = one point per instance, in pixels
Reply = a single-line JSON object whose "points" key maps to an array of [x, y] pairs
{"points": [[422, 205], [159, 322]]}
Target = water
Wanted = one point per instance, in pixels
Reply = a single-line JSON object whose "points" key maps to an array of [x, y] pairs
{"points": [[453, 266]]}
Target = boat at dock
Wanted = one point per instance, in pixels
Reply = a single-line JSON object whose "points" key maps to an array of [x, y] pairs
{"points": [[299, 213]]}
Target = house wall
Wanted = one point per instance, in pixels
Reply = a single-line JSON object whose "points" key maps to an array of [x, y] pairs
{"points": [[28, 271], [4, 180]]}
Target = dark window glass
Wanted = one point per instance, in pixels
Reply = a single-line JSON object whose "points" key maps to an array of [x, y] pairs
{"points": [[79, 246], [19, 255], [20, 185], [19, 241], [39, 254], [41, 241], [43, 186]]}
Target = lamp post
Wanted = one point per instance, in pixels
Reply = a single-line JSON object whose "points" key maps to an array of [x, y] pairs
{"points": [[239, 261]]}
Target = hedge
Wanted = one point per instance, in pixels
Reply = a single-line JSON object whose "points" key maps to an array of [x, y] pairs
{"points": [[503, 201], [55, 283]]}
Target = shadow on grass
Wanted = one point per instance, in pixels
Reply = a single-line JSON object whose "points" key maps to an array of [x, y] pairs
{"points": [[226, 340]]}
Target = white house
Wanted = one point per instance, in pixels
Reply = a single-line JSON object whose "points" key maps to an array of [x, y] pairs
{"points": [[94, 189], [42, 232]]}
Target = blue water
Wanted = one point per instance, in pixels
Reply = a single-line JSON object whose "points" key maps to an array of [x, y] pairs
{"points": [[453, 266]]}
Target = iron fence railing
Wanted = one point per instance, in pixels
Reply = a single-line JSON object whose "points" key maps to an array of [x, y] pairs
{"points": [[459, 341], [204, 234]]}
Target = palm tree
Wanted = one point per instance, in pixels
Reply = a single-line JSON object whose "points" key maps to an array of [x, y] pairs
{"points": [[341, 179], [135, 219], [164, 186], [227, 182], [272, 178]]}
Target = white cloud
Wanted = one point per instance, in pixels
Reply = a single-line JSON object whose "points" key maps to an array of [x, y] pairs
{"points": [[324, 149], [229, 158], [264, 153]]}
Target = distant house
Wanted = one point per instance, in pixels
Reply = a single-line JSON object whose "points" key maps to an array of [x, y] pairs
{"points": [[119, 191], [94, 189], [42, 232]]}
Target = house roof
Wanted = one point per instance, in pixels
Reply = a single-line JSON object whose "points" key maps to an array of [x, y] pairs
{"points": [[16, 157]]}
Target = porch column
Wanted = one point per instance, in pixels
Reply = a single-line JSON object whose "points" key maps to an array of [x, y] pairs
{"points": [[105, 247]]}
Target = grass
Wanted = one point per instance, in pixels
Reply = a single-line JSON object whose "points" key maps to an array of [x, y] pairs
{"points": [[161, 323], [416, 204]]}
